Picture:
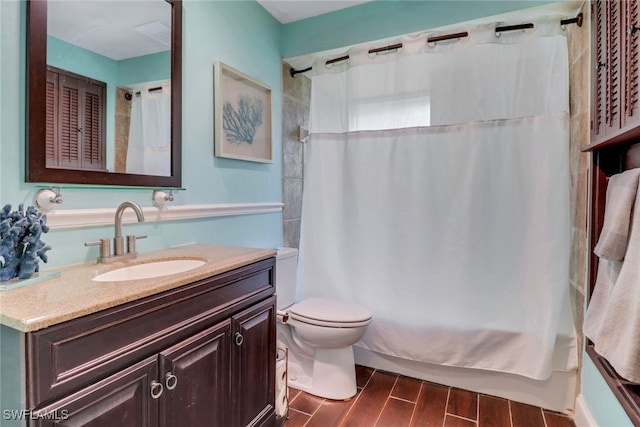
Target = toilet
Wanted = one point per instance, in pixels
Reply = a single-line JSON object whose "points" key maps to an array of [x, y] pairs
{"points": [[318, 334]]}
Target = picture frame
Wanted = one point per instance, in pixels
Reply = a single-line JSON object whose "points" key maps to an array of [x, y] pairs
{"points": [[242, 116]]}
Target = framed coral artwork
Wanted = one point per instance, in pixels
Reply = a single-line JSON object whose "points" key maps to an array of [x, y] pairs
{"points": [[242, 116]]}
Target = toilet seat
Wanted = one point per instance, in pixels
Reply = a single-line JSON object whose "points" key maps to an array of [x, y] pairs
{"points": [[331, 313]]}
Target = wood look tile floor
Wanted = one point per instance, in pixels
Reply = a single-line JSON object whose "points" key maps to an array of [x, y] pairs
{"points": [[390, 400]]}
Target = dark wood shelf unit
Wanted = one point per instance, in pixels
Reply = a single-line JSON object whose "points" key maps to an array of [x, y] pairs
{"points": [[621, 138], [615, 139], [608, 160]]}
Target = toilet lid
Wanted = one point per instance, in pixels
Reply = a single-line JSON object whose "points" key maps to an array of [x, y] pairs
{"points": [[330, 310]]}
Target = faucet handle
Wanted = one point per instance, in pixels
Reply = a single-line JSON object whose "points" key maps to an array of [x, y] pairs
{"points": [[105, 247], [131, 243]]}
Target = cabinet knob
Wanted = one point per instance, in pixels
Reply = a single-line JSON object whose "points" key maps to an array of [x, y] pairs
{"points": [[600, 65], [170, 381], [632, 29], [239, 338], [156, 389]]}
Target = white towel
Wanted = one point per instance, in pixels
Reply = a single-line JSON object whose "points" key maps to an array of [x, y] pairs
{"points": [[612, 321], [608, 272], [621, 194]]}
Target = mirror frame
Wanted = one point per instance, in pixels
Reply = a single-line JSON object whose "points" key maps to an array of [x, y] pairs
{"points": [[36, 169]]}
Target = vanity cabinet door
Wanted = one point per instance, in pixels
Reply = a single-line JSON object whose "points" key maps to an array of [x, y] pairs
{"points": [[124, 399], [195, 375], [253, 365]]}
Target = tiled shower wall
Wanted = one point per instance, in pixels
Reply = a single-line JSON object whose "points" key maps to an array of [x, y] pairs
{"points": [[579, 41], [295, 113], [123, 118]]}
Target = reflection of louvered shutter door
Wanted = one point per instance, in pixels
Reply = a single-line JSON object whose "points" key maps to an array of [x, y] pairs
{"points": [[76, 111], [69, 123], [52, 113], [92, 144]]}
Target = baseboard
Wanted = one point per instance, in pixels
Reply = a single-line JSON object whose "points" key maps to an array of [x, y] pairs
{"points": [[582, 416]]}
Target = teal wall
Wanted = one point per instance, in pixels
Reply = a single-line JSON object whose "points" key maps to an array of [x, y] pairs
{"points": [[12, 375], [602, 404], [148, 68], [244, 36], [241, 34], [81, 61]]}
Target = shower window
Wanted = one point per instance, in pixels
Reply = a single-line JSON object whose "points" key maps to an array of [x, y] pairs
{"points": [[373, 114]]}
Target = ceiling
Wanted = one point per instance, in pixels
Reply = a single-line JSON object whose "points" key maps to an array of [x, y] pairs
{"points": [[135, 28], [117, 30], [287, 11]]}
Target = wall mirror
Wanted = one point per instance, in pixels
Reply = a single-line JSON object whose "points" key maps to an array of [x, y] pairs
{"points": [[104, 92]]}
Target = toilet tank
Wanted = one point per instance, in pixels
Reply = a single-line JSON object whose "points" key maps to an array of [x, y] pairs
{"points": [[286, 270]]}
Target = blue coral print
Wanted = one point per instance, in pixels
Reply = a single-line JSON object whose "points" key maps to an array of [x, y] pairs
{"points": [[241, 124]]}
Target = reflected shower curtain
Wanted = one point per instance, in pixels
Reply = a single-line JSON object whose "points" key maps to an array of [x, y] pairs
{"points": [[149, 150], [436, 194]]}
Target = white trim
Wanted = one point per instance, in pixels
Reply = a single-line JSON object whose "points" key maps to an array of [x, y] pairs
{"points": [[583, 417], [83, 218]]}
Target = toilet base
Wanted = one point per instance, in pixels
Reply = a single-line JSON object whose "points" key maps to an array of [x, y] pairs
{"points": [[333, 374]]}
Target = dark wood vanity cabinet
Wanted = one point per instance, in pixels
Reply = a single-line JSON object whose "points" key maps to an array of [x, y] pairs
{"points": [[199, 355]]}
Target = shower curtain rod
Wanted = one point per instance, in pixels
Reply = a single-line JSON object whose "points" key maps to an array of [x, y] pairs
{"points": [[128, 95], [577, 20]]}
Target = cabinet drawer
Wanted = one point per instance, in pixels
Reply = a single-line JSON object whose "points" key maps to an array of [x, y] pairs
{"points": [[71, 355]]}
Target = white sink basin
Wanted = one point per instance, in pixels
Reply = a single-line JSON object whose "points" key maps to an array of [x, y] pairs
{"points": [[149, 270]]}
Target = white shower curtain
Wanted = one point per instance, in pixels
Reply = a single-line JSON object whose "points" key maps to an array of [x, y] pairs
{"points": [[436, 194], [149, 150]]}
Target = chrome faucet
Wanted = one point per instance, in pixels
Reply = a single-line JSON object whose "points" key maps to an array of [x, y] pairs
{"points": [[118, 243], [117, 240]]}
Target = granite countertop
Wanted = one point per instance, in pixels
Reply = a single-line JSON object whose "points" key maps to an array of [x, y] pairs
{"points": [[73, 294]]}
